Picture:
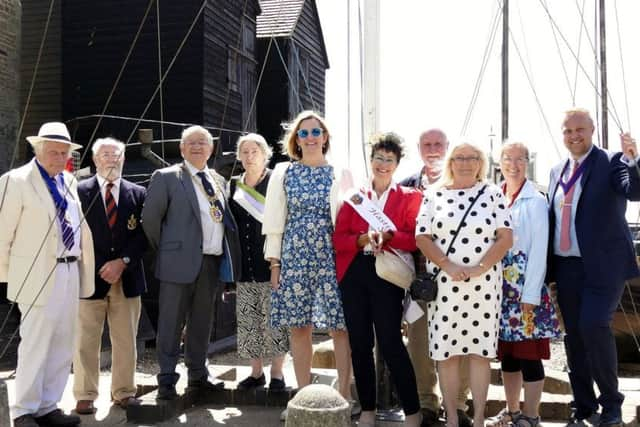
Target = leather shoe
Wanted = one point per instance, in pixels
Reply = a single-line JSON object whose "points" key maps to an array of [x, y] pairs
{"points": [[25, 421], [127, 401], [58, 418], [252, 382], [430, 418], [85, 407], [166, 392], [204, 385], [464, 420]]}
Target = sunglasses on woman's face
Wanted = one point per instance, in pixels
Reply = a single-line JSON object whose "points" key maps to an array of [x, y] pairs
{"points": [[304, 133]]}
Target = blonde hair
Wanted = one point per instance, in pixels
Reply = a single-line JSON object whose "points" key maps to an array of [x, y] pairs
{"points": [[577, 112], [447, 173], [514, 144], [289, 142], [260, 142]]}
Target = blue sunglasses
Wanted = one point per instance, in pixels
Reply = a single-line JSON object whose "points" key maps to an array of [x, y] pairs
{"points": [[304, 133]]}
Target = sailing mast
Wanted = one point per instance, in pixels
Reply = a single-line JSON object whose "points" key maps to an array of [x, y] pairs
{"points": [[604, 137], [505, 70]]}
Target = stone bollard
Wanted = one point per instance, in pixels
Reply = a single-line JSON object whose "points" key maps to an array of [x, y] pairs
{"points": [[5, 417], [318, 405]]}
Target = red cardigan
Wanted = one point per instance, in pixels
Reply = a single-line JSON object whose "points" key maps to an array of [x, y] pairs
{"points": [[402, 208]]}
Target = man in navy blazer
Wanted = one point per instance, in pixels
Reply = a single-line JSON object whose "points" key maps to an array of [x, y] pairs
{"points": [[592, 257], [112, 208]]}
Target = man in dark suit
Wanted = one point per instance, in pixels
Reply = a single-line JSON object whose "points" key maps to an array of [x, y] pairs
{"points": [[592, 258], [112, 207], [187, 220]]}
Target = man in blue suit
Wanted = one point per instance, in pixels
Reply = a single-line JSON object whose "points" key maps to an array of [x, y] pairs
{"points": [[592, 257], [112, 208]]}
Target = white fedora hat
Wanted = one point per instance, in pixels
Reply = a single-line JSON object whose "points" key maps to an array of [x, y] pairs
{"points": [[55, 132]]}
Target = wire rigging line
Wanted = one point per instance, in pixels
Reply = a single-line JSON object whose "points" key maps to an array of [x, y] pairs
{"points": [[612, 111], [117, 81], [304, 75], [166, 122], [160, 77], [624, 79], [582, 27], [362, 112], [28, 101], [286, 70], [483, 66], [564, 67], [173, 60]]}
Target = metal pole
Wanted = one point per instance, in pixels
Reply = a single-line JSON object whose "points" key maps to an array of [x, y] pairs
{"points": [[505, 70], [603, 79]]}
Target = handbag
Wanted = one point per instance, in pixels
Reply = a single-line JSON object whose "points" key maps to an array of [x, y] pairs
{"points": [[392, 268], [425, 286]]}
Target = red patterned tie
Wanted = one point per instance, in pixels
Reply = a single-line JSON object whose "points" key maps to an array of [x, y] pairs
{"points": [[112, 208], [565, 224]]}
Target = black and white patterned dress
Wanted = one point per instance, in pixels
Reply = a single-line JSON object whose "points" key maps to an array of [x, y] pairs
{"points": [[464, 318]]}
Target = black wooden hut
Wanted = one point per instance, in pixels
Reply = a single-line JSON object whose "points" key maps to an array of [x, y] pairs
{"points": [[291, 46]]}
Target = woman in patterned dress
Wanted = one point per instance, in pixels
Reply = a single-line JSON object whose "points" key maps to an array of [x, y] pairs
{"points": [[463, 320], [300, 211], [528, 318], [256, 339]]}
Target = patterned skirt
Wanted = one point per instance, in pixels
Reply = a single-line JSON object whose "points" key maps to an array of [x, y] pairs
{"points": [[256, 339]]}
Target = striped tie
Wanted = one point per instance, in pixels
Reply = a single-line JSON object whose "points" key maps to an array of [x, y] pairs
{"points": [[67, 230], [112, 208]]}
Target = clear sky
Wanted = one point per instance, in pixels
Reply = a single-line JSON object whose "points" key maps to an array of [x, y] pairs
{"points": [[431, 53]]}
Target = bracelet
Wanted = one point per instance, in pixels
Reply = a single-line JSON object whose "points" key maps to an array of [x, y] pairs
{"points": [[480, 264], [272, 266]]}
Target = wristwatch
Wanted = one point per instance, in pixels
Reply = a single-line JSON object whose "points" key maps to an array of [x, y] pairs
{"points": [[126, 260]]}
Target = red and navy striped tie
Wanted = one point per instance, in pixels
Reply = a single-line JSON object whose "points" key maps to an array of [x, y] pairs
{"points": [[112, 208]]}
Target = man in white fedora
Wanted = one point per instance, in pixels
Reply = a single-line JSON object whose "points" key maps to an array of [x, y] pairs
{"points": [[46, 258]]}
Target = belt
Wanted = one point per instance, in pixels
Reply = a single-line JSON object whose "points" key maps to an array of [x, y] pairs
{"points": [[368, 253], [66, 260]]}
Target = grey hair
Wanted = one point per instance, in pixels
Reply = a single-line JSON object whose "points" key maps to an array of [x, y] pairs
{"points": [[195, 129], [259, 140], [107, 142], [515, 144]]}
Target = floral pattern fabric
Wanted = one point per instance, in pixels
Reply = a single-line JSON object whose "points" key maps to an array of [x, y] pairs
{"points": [[308, 293], [514, 324]]}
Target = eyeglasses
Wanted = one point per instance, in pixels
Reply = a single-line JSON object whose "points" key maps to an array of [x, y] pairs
{"points": [[462, 159], [381, 159], [304, 133], [512, 160]]}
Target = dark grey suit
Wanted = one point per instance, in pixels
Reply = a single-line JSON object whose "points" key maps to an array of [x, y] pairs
{"points": [[189, 281]]}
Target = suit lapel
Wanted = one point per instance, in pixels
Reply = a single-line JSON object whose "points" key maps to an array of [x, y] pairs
{"points": [[41, 190], [190, 191]]}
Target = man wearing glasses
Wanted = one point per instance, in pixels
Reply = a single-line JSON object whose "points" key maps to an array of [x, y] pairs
{"points": [[432, 145], [187, 220]]}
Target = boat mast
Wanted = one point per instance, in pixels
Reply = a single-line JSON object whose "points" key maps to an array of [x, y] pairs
{"points": [[505, 70], [604, 137]]}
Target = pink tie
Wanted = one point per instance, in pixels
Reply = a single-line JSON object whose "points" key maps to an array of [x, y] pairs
{"points": [[565, 224]]}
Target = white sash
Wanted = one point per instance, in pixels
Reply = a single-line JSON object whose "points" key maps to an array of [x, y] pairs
{"points": [[377, 219]]}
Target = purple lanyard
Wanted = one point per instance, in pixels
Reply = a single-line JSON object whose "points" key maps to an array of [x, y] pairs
{"points": [[566, 186]]}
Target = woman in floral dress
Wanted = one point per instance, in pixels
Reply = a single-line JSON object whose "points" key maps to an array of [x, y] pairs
{"points": [[528, 318], [300, 210]]}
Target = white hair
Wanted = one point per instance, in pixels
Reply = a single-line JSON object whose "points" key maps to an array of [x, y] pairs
{"points": [[196, 129], [107, 142], [259, 140]]}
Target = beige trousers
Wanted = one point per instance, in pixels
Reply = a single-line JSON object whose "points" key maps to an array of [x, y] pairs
{"points": [[123, 314], [425, 368]]}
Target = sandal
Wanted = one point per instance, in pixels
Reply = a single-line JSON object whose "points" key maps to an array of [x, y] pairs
{"points": [[524, 421], [503, 418]]}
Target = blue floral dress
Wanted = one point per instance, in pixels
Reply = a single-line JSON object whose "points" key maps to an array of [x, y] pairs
{"points": [[308, 293]]}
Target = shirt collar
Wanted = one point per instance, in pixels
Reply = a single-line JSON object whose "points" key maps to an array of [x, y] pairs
{"points": [[193, 170], [393, 186], [103, 182]]}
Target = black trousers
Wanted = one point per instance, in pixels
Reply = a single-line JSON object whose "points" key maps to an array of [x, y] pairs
{"points": [[193, 305], [372, 303], [587, 309]]}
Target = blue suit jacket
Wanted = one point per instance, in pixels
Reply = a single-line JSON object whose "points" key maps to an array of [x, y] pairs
{"points": [[603, 234], [127, 238]]}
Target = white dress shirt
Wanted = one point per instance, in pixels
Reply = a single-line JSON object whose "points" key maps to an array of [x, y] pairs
{"points": [[212, 232]]}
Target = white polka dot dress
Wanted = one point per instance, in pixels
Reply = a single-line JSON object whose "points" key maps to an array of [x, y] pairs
{"points": [[464, 318]]}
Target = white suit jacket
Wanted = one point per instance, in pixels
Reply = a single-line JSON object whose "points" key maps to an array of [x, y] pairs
{"points": [[29, 242]]}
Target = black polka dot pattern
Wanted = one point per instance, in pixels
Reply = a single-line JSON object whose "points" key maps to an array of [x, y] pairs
{"points": [[464, 318]]}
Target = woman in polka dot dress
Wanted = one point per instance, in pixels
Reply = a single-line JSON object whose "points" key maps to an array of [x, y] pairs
{"points": [[464, 318]]}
